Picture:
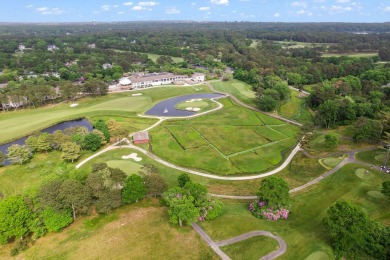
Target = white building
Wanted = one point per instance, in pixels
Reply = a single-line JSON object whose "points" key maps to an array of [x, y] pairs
{"points": [[52, 47], [107, 66], [21, 47], [92, 46]]}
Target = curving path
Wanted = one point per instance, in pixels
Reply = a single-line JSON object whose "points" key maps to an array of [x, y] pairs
{"points": [[216, 245]]}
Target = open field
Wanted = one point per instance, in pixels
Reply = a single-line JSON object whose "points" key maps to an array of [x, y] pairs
{"points": [[258, 143], [237, 88], [303, 230], [375, 157], [356, 55], [295, 109], [17, 124], [154, 57], [138, 231]]}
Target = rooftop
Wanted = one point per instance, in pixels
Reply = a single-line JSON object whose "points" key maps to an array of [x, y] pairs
{"points": [[139, 136]]}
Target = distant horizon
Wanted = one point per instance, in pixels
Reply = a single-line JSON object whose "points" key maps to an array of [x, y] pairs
{"points": [[283, 11]]}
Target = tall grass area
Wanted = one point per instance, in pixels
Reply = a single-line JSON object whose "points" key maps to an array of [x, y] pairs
{"points": [[233, 140], [20, 123], [138, 231], [243, 91], [303, 231], [296, 109]]}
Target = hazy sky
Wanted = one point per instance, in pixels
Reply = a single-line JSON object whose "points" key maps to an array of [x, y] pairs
{"points": [[198, 10]]}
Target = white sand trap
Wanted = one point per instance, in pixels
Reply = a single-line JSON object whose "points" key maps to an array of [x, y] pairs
{"points": [[74, 105], [138, 94], [196, 109], [199, 99], [189, 108], [132, 156]]}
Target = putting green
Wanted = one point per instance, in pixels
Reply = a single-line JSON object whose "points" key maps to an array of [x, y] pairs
{"points": [[332, 162], [127, 166], [318, 255], [380, 157], [376, 194], [199, 104], [364, 174]]}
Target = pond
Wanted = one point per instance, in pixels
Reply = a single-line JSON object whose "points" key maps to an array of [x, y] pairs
{"points": [[50, 130], [167, 107]]}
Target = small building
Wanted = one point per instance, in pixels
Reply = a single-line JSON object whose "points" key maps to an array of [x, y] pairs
{"points": [[198, 77], [141, 137], [52, 47], [21, 47], [92, 46], [106, 66]]}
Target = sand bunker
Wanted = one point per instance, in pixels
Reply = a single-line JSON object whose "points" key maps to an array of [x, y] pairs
{"points": [[376, 194], [193, 100], [364, 174], [132, 156], [74, 105], [138, 94], [195, 109]]}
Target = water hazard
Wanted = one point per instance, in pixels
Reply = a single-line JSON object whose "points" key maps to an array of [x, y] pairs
{"points": [[167, 107]]}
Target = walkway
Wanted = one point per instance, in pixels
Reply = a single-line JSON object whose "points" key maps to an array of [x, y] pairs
{"points": [[216, 245]]}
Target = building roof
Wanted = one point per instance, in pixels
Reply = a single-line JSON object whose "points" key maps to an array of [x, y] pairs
{"points": [[140, 136], [124, 81]]}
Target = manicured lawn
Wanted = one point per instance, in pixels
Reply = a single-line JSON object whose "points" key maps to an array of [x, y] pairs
{"points": [[252, 248], [303, 230], [21, 123], [295, 109], [229, 141], [128, 166], [203, 105], [239, 89], [376, 157], [154, 57], [138, 231]]}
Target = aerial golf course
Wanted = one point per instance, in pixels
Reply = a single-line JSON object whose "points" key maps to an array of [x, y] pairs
{"points": [[231, 141]]}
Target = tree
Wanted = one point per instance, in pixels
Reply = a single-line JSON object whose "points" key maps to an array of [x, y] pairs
{"points": [[155, 184], [58, 138], [43, 143], [267, 103], [106, 184], [32, 142], [3, 157], [367, 130], [386, 188], [275, 191], [180, 206], [102, 126], [15, 218], [48, 195], [134, 189], [70, 151], [354, 234], [92, 142], [101, 135], [331, 140], [19, 154], [55, 221], [183, 179], [75, 196], [327, 113], [198, 192], [120, 133]]}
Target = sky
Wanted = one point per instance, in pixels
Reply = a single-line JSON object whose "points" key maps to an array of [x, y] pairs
{"points": [[195, 10]]}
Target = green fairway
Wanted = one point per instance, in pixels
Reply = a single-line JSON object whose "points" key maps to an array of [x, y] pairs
{"points": [[303, 230], [251, 249], [239, 89], [356, 55], [375, 157], [296, 109], [21, 123], [206, 142], [154, 57], [128, 166]]}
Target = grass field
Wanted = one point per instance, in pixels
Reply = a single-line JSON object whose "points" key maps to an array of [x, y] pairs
{"points": [[203, 105], [230, 141], [303, 230], [239, 89], [251, 249], [21, 123], [356, 55], [138, 231], [376, 157], [154, 57], [295, 109]]}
